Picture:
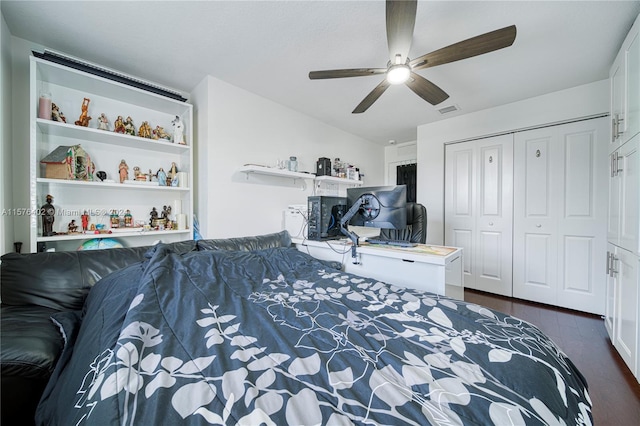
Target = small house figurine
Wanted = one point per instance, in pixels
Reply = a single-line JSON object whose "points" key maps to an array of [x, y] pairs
{"points": [[68, 162]]}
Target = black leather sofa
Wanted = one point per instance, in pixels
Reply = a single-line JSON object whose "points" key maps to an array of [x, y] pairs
{"points": [[34, 286]]}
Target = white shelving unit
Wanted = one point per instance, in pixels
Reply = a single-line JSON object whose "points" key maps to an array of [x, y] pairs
{"points": [[68, 87]]}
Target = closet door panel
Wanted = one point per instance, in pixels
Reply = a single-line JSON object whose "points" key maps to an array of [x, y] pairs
{"points": [[460, 204], [581, 222], [535, 193], [479, 208], [495, 215]]}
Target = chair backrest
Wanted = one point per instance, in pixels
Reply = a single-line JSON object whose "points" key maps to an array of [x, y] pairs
{"points": [[416, 230]]}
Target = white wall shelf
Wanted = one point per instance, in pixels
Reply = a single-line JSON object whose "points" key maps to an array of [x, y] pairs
{"points": [[337, 180], [110, 185], [132, 233]]}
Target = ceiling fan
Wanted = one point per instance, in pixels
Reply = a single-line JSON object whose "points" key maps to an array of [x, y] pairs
{"points": [[401, 19]]}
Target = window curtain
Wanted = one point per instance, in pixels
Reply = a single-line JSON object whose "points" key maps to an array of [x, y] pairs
{"points": [[407, 174]]}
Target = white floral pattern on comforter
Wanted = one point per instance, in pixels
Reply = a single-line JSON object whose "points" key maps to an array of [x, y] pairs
{"points": [[277, 337]]}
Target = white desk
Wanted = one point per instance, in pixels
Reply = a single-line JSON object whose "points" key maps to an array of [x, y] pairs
{"points": [[431, 268]]}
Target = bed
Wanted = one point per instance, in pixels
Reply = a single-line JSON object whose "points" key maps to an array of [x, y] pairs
{"points": [[274, 336]]}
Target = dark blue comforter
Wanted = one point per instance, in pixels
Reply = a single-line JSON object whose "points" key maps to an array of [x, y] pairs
{"points": [[278, 337]]}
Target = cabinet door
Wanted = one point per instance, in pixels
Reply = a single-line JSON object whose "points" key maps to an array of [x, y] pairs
{"points": [[478, 210], [613, 213], [617, 82], [628, 161], [631, 125], [610, 294], [626, 266]]}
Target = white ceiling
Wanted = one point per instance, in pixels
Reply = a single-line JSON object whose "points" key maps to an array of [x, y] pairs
{"points": [[269, 47]]}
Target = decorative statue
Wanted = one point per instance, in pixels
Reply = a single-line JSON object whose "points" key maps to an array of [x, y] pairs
{"points": [[103, 122], [85, 221], [128, 219], [118, 125], [154, 216], [166, 211], [162, 177], [159, 133], [178, 129], [56, 114], [173, 171], [124, 171], [129, 127], [48, 217], [73, 228], [102, 175], [84, 117], [145, 130]]}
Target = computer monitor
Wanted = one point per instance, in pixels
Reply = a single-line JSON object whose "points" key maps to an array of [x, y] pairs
{"points": [[380, 206]]}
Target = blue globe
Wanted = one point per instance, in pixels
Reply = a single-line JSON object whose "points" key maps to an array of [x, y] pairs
{"points": [[100, 243]]}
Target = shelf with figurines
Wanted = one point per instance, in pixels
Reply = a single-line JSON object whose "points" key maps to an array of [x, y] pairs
{"points": [[120, 224], [90, 135], [72, 165]]}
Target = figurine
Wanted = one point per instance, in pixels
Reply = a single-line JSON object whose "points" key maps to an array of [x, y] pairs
{"points": [[84, 117], [178, 129], [103, 122], [174, 181], [154, 216], [118, 125], [162, 177], [136, 172], [159, 133], [73, 228], [145, 130], [166, 211], [114, 219], [102, 175], [48, 217], [173, 171], [129, 127], [85, 221], [56, 114], [124, 171], [128, 219]]}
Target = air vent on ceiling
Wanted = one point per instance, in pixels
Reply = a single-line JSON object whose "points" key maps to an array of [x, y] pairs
{"points": [[449, 109]]}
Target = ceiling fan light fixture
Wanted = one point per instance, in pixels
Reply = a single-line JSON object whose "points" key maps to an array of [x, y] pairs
{"points": [[398, 74]]}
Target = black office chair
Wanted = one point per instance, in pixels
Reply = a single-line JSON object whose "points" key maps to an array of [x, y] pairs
{"points": [[416, 230]]}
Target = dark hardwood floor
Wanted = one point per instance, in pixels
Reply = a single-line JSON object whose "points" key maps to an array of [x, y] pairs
{"points": [[614, 391]]}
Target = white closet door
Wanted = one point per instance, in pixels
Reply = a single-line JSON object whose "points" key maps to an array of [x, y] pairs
{"points": [[535, 229], [479, 210], [460, 211], [560, 210]]}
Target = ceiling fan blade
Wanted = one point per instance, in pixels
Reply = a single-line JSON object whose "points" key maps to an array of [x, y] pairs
{"points": [[357, 72], [401, 19], [371, 97], [474, 46], [426, 89]]}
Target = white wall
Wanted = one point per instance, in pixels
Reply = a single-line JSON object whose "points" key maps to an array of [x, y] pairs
{"points": [[6, 202], [236, 127], [582, 101]]}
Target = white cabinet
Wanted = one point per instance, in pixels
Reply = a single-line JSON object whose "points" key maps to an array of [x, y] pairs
{"points": [[478, 210], [623, 232], [623, 272], [71, 198], [624, 77], [560, 198], [624, 193]]}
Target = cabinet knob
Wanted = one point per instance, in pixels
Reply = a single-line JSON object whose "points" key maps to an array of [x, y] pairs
{"points": [[538, 225], [490, 223]]}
